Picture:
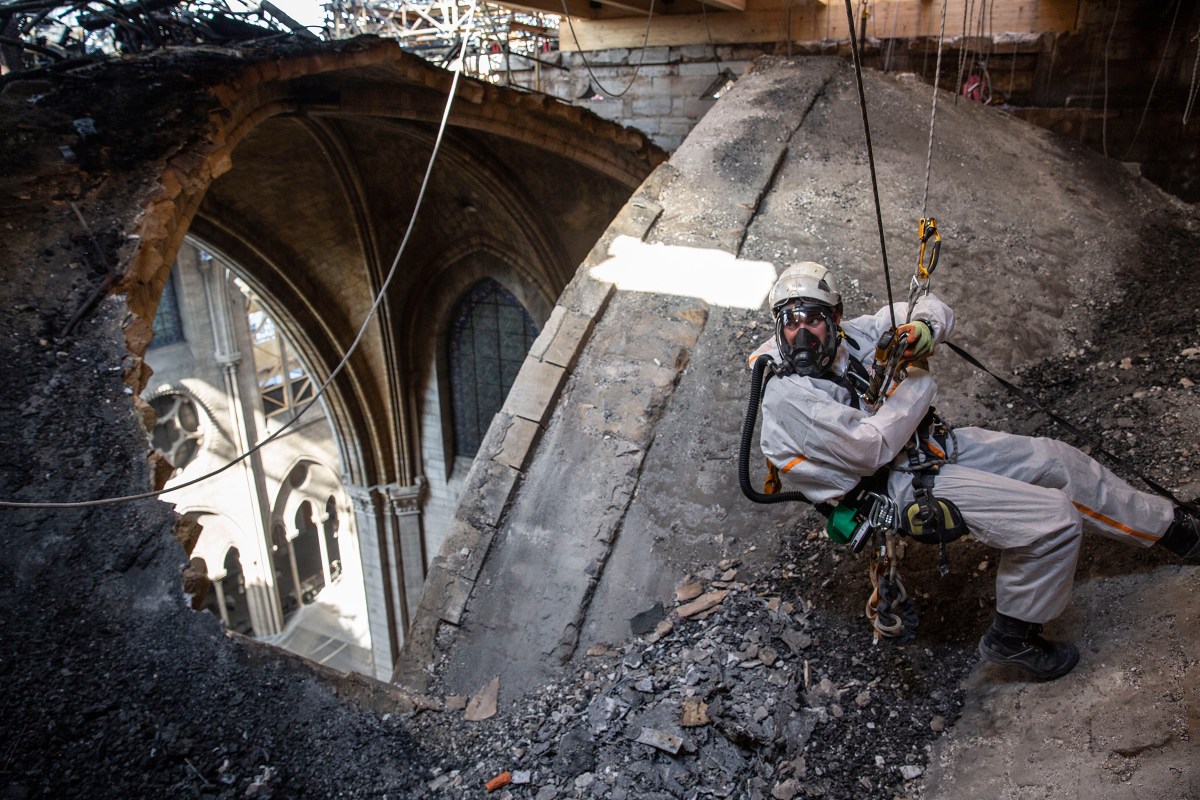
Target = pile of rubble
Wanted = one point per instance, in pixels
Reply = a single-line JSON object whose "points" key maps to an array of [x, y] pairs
{"points": [[746, 688]]}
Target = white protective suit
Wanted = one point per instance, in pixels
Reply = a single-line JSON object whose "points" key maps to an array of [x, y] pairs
{"points": [[1026, 496]]}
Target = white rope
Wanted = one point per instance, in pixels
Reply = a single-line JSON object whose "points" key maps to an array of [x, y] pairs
{"points": [[937, 74], [1187, 111], [1154, 83]]}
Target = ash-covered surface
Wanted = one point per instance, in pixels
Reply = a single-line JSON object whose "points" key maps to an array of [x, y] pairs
{"points": [[774, 691], [114, 688]]}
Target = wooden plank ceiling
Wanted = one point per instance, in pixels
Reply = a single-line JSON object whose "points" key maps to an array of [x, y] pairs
{"points": [[605, 24]]}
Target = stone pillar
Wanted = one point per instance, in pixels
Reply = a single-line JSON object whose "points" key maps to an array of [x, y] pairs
{"points": [[408, 542], [372, 550], [266, 614]]}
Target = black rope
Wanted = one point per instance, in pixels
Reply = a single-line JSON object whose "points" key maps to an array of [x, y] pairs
{"points": [[862, 101], [1070, 428]]}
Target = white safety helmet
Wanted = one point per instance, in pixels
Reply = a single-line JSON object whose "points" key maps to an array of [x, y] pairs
{"points": [[806, 290], [806, 280]]}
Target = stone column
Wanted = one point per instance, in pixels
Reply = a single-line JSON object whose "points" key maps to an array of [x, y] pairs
{"points": [[266, 615], [372, 550], [408, 541]]}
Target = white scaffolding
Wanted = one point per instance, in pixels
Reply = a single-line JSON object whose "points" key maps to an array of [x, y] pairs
{"points": [[492, 40]]}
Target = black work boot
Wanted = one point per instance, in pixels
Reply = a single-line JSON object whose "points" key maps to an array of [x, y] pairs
{"points": [[1183, 537], [1020, 644]]}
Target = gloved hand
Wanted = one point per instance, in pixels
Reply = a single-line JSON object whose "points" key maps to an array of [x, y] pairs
{"points": [[920, 340]]}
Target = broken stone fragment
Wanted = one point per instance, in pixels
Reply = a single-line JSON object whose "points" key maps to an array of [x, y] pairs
{"points": [[667, 742], [483, 702], [785, 790], [660, 630], [702, 603], [796, 641], [688, 589], [695, 713]]}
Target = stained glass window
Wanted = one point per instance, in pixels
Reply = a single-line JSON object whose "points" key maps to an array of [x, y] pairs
{"points": [[490, 336], [167, 326]]}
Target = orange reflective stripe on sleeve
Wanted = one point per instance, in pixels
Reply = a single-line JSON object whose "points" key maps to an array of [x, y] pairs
{"points": [[1112, 523], [788, 466]]}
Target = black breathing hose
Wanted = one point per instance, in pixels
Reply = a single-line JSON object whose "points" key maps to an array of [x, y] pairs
{"points": [[756, 387]]}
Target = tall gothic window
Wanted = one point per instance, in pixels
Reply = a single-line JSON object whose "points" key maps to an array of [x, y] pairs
{"points": [[167, 327], [490, 336]]}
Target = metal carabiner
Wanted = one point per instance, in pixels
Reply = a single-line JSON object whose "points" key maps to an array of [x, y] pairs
{"points": [[921, 275]]}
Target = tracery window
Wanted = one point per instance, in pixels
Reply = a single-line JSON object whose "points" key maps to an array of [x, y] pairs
{"points": [[178, 432], [490, 335]]}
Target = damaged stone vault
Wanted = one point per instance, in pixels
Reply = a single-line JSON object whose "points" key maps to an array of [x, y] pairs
{"points": [[609, 482], [605, 498]]}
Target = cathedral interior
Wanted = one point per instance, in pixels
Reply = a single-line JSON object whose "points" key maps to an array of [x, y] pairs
{"points": [[327, 391]]}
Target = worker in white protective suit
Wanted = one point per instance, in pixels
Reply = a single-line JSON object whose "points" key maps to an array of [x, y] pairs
{"points": [[1028, 497]]}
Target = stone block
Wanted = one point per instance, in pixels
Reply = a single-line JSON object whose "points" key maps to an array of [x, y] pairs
{"points": [[542, 343], [652, 106], [517, 446], [655, 72], [694, 52], [488, 488], [535, 391], [458, 591], [462, 538], [584, 295], [616, 55], [472, 561], [569, 340], [707, 69]]}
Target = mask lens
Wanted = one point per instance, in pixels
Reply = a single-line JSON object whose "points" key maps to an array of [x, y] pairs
{"points": [[793, 316]]}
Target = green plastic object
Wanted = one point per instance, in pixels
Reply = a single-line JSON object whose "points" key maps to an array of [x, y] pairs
{"points": [[841, 524]]}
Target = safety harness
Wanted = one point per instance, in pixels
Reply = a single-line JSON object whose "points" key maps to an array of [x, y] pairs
{"points": [[867, 514]]}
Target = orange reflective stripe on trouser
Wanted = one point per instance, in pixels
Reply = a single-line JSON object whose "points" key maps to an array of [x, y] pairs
{"points": [[1112, 523]]}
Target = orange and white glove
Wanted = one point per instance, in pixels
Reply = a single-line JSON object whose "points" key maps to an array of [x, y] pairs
{"points": [[920, 340]]}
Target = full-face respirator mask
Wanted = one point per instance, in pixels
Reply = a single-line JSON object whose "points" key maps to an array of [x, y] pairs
{"points": [[807, 354], [804, 295]]}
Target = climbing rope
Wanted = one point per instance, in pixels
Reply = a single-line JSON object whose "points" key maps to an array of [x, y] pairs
{"points": [[962, 51], [1187, 110], [1104, 116], [862, 103], [892, 613], [937, 76], [1154, 83]]}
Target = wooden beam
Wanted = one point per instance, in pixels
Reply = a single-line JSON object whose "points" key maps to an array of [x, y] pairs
{"points": [[771, 21], [726, 5], [615, 9]]}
